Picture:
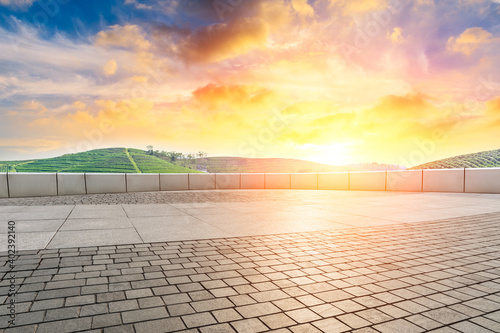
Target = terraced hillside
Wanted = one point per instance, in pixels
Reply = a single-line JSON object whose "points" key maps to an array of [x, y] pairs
{"points": [[152, 164], [113, 160], [484, 159]]}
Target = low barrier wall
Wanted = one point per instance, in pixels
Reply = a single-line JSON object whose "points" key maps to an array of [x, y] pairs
{"points": [[15, 185], [4, 189], [441, 180], [482, 180], [227, 181], [277, 180], [304, 181], [408, 180], [333, 181], [71, 183], [31, 184], [252, 181], [369, 180]]}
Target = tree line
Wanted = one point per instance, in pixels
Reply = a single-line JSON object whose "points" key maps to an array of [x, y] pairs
{"points": [[173, 156]]}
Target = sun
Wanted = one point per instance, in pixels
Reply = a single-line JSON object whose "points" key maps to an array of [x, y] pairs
{"points": [[333, 154]]}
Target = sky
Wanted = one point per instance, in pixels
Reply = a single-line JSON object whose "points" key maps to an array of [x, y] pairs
{"points": [[332, 81]]}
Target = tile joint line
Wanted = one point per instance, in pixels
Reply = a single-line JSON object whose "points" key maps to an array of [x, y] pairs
{"points": [[464, 180], [85, 182], [8, 186]]}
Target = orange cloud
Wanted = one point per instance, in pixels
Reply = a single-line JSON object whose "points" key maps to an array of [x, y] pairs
{"points": [[110, 67], [224, 40], [213, 96], [217, 42], [36, 106], [410, 106], [396, 36], [493, 108], [30, 145], [127, 36], [131, 39], [340, 120], [470, 40], [303, 8]]}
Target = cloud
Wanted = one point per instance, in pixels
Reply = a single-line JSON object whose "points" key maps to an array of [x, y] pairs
{"points": [[222, 41], [493, 108], [216, 42], [132, 39], [36, 106], [396, 36], [29, 145], [339, 120], [139, 79], [303, 8], [410, 106], [127, 36], [471, 40], [32, 66], [216, 94], [110, 67], [137, 4], [17, 4]]}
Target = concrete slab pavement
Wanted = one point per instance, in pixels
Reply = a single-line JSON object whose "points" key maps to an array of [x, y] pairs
{"points": [[253, 212]]}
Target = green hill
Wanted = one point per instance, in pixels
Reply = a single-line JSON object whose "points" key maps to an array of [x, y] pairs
{"points": [[484, 159], [113, 160], [129, 160]]}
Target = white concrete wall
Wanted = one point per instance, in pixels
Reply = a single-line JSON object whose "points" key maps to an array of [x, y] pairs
{"points": [[143, 182], [483, 180], [227, 181], [105, 183], [201, 181], [71, 183], [4, 190], [304, 181], [252, 181], [404, 180], [277, 181], [367, 180], [333, 181], [174, 181], [32, 184], [444, 180]]}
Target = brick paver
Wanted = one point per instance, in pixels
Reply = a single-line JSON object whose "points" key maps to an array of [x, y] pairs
{"points": [[440, 276]]}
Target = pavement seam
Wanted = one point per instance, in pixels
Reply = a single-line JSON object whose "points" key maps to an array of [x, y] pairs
{"points": [[58, 229], [121, 205]]}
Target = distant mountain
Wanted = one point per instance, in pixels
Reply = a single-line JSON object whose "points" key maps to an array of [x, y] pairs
{"points": [[113, 160], [273, 165], [484, 159]]}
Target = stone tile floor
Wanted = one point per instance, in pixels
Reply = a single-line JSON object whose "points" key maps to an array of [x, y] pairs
{"points": [[417, 275]]}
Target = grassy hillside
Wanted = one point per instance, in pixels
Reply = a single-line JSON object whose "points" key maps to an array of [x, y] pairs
{"points": [[484, 159], [113, 160], [138, 161], [152, 164]]}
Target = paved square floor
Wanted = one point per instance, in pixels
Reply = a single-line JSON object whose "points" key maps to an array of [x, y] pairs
{"points": [[254, 261]]}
